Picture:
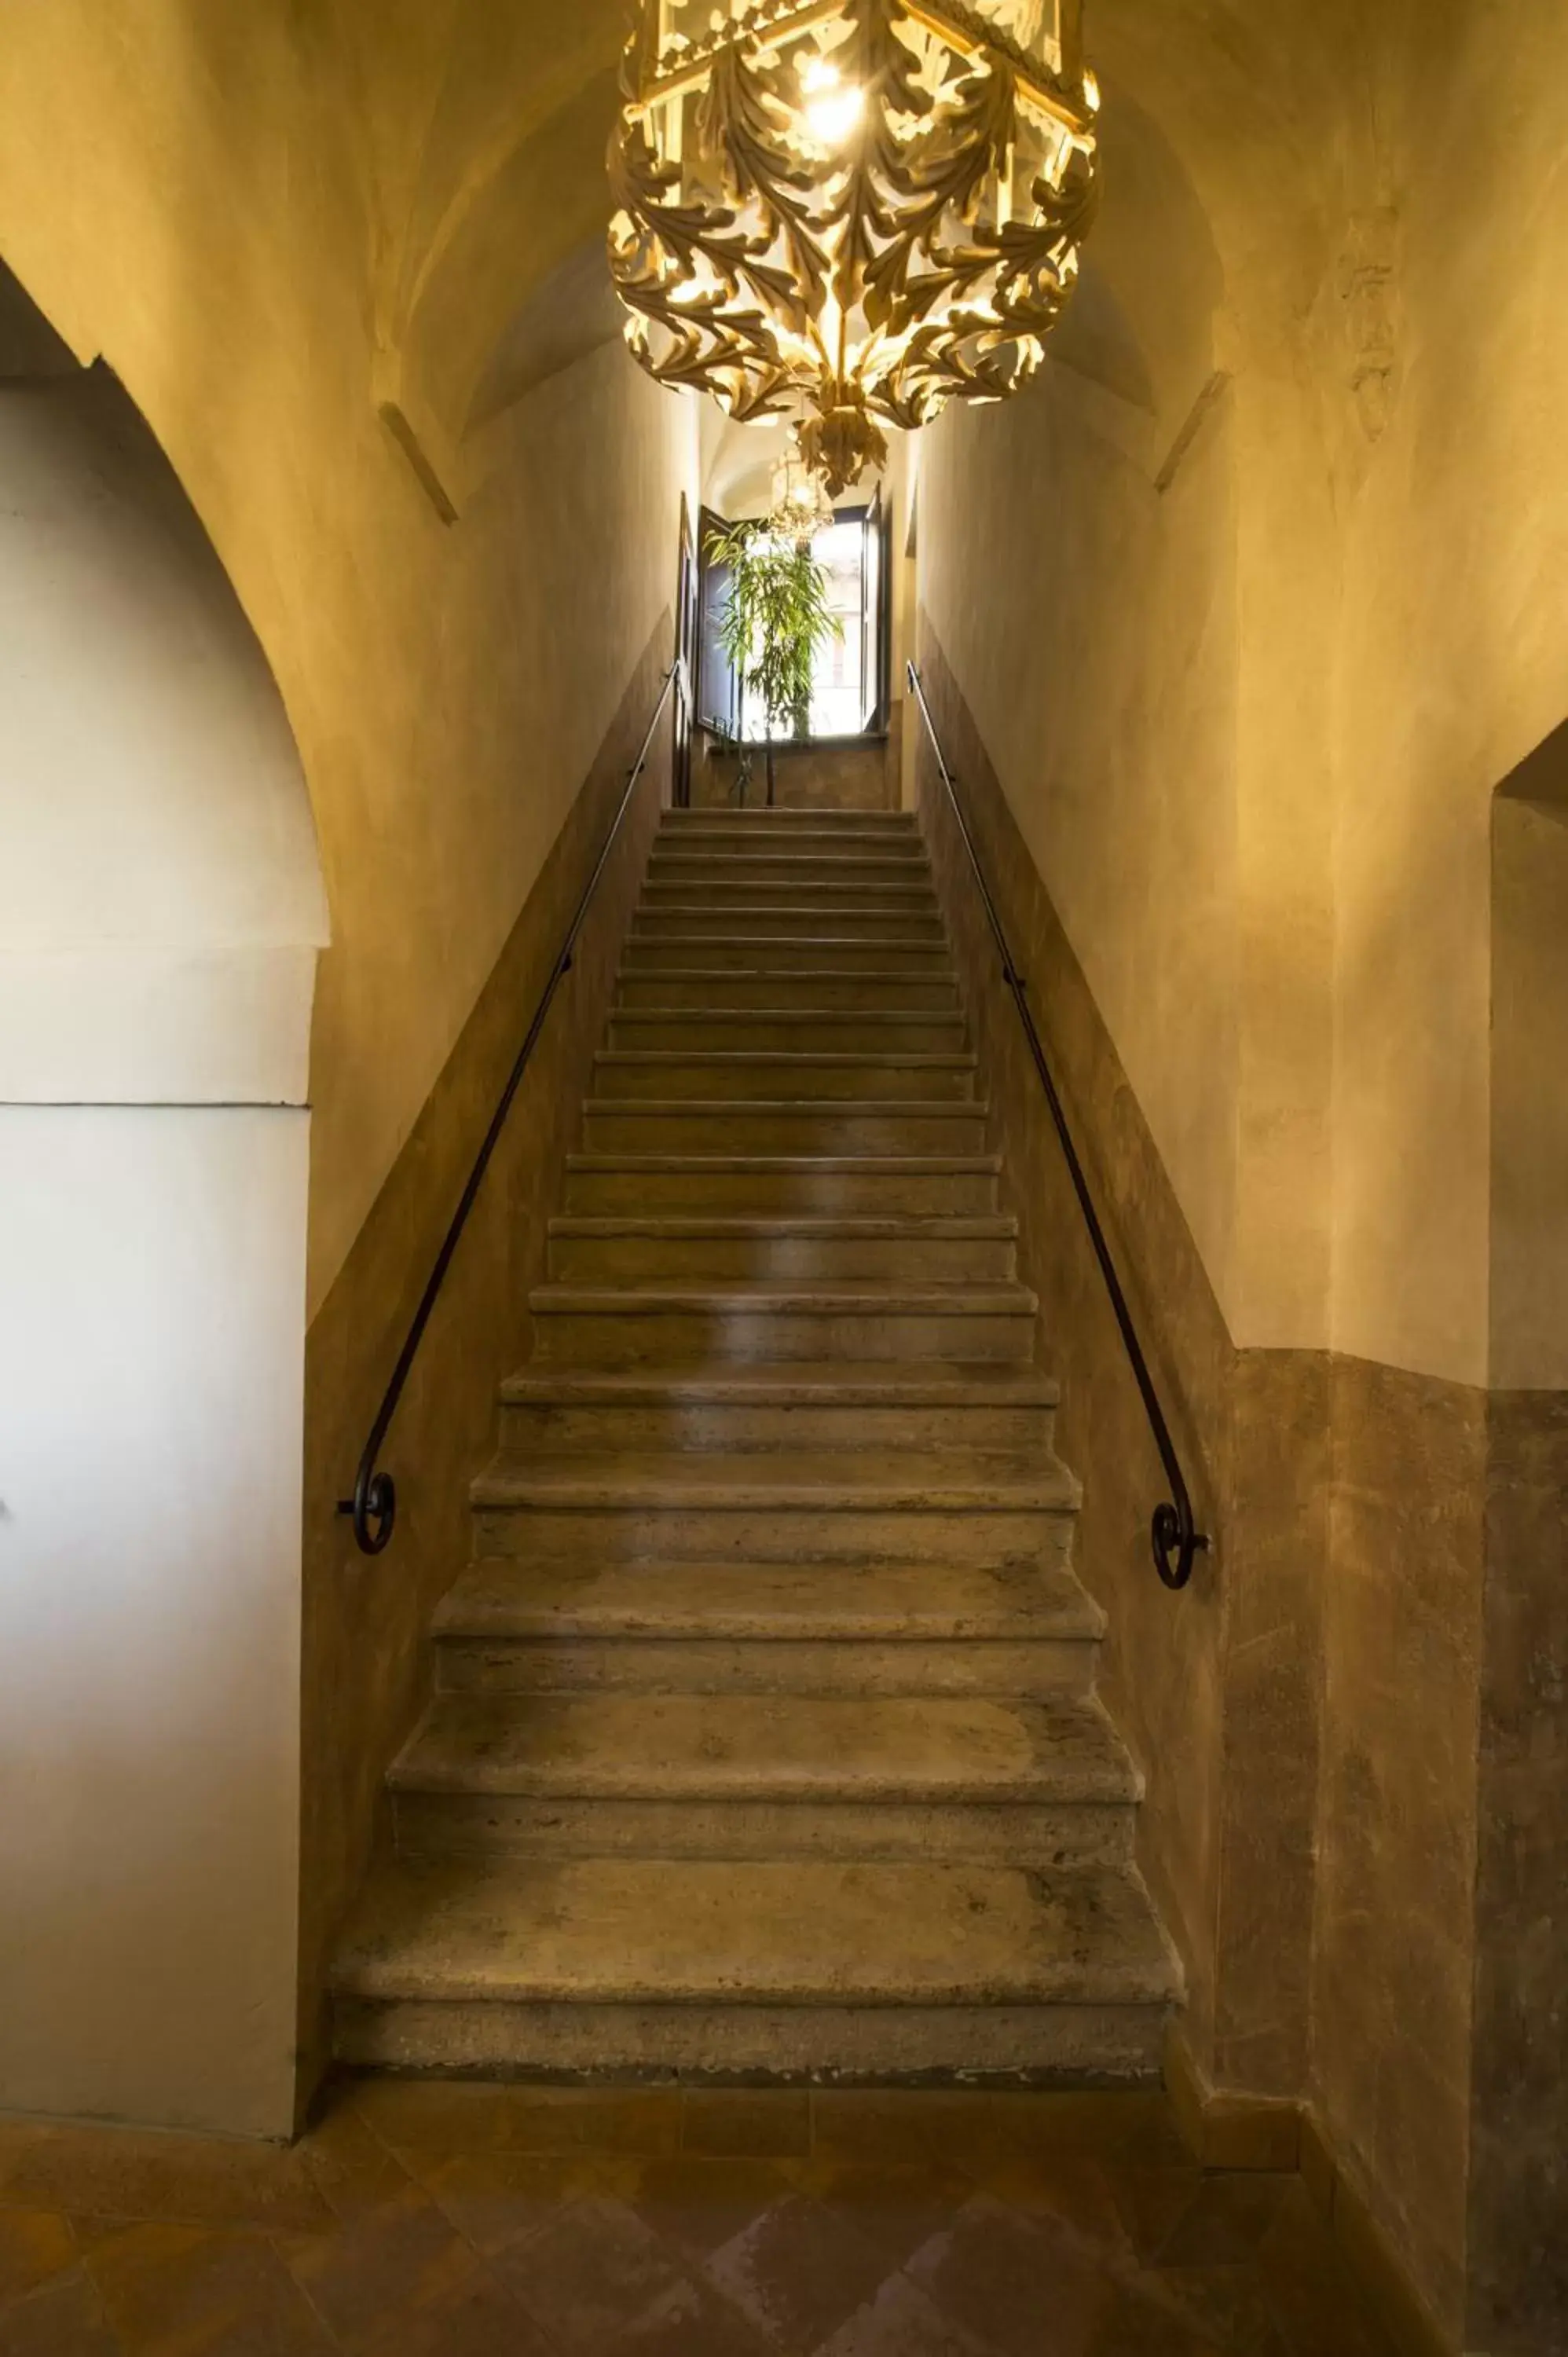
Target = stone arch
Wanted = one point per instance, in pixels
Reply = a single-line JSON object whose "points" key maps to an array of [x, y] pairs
{"points": [[161, 910]]}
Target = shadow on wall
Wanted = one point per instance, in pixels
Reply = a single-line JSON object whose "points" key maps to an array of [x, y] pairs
{"points": [[161, 908]]}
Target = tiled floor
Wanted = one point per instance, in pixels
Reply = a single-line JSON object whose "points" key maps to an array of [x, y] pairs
{"points": [[450, 2220]]}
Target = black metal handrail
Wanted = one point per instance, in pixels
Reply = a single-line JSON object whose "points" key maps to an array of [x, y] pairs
{"points": [[1174, 1532], [374, 1502]]}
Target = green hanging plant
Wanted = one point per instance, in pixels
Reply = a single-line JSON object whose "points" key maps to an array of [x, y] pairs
{"points": [[775, 619]]}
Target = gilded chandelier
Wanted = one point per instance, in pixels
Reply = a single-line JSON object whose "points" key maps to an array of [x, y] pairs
{"points": [[849, 210]]}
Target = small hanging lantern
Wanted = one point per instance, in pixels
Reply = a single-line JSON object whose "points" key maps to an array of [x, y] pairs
{"points": [[848, 212], [800, 507]]}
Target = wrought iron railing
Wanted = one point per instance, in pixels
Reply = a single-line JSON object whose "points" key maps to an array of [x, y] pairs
{"points": [[374, 1502], [1174, 1532]]}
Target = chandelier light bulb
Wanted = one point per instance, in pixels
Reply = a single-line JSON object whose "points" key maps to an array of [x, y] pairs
{"points": [[833, 106], [850, 214]]}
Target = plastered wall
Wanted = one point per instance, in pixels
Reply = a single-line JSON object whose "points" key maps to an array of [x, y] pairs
{"points": [[266, 223], [237, 209], [1252, 670], [160, 917]]}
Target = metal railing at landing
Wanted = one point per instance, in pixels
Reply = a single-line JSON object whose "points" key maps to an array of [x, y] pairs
{"points": [[1174, 1534], [374, 1502]]}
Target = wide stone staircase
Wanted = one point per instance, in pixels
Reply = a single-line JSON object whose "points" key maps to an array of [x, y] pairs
{"points": [[764, 1738]]}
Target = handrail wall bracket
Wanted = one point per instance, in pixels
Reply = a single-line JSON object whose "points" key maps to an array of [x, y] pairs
{"points": [[1175, 1538], [374, 1506]]}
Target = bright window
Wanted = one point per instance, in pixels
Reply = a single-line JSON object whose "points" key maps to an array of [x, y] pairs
{"points": [[838, 688]]}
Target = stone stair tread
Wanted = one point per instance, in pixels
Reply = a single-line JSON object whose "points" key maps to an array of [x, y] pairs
{"points": [[752, 939], [898, 1060], [836, 1017], [782, 975], [876, 1382], [912, 1750], [879, 1479], [933, 1227], [712, 875], [881, 1108], [502, 1597], [630, 1930], [739, 842], [894, 1166], [961, 1299]]}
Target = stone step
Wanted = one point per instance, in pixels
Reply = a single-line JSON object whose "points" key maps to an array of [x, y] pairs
{"points": [[891, 1186], [771, 1775], [871, 1033], [778, 1970], [908, 1750], [721, 1074], [824, 830], [690, 887], [997, 1410], [695, 990], [700, 868], [513, 1626], [619, 1325], [761, 823], [844, 1509], [782, 1252], [768, 949], [836, 1127], [753, 920]]}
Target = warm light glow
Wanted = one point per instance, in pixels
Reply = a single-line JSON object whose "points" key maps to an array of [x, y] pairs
{"points": [[851, 214], [833, 106]]}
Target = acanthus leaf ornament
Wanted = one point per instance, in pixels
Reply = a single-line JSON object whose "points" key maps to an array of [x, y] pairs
{"points": [[850, 211]]}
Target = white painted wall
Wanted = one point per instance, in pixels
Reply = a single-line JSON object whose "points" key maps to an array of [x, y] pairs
{"points": [[161, 906], [152, 1272]]}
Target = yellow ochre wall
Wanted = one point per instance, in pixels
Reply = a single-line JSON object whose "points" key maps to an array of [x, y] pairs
{"points": [[1247, 616], [232, 204]]}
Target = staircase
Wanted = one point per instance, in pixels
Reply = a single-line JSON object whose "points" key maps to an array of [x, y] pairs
{"points": [[763, 1739]]}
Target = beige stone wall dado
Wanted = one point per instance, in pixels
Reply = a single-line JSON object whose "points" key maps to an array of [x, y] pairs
{"points": [[847, 776], [255, 215]]}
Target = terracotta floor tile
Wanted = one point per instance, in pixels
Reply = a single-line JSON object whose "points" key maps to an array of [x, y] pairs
{"points": [[895, 2205], [89, 2231], [1023, 2285], [497, 2197], [1225, 2223], [1135, 2124], [478, 2319], [1225, 2305], [695, 2203], [352, 2169], [387, 2260], [1308, 2290], [798, 2272], [1133, 2326], [902, 2323], [593, 2271], [1151, 2202], [690, 2321], [760, 2123], [186, 2291], [1069, 2188], [895, 2124], [64, 2319], [34, 2245], [457, 2114], [592, 2119], [137, 2173]]}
